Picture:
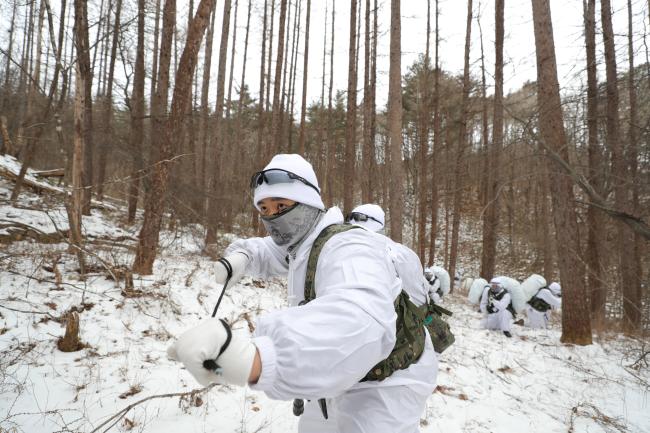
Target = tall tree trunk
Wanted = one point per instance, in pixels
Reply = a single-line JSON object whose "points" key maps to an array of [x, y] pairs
{"points": [[108, 108], [490, 219], [303, 105], [83, 73], [277, 115], [368, 153], [8, 57], [268, 150], [576, 327], [424, 144], [633, 154], [154, 62], [351, 114], [283, 92], [205, 109], [215, 207], [136, 135], [261, 114], [154, 203], [292, 79], [395, 124], [635, 276], [232, 65], [462, 144], [625, 237], [436, 147], [595, 217], [331, 140]]}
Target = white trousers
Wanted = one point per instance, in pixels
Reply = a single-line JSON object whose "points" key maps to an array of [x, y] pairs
{"points": [[536, 319], [390, 409], [501, 320]]}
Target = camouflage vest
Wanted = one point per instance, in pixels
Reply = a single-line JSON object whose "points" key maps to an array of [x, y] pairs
{"points": [[539, 304], [439, 330], [410, 334]]}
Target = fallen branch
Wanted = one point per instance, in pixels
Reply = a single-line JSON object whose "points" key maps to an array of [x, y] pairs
{"points": [[114, 419]]}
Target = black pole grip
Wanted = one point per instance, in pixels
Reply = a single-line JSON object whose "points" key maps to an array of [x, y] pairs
{"points": [[298, 406], [210, 364]]}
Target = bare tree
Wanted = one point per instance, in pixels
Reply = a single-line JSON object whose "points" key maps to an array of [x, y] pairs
{"points": [[303, 105], [620, 187], [351, 114], [108, 107], [137, 117], [490, 220], [154, 203], [436, 146], [214, 210], [423, 135], [595, 217], [277, 114], [576, 327], [462, 144], [395, 124]]}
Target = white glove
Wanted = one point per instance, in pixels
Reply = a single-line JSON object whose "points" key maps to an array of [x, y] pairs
{"points": [[238, 262], [206, 342]]}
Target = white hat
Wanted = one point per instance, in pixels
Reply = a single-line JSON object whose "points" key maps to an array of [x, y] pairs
{"points": [[295, 190], [373, 211], [555, 288]]}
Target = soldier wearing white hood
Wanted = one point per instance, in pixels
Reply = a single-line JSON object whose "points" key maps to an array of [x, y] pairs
{"points": [[540, 306], [326, 347], [495, 303], [407, 262]]}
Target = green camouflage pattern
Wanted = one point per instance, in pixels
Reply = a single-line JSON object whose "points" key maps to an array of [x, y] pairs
{"points": [[410, 334], [439, 329]]}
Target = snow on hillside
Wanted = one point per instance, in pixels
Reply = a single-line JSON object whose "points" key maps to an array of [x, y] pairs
{"points": [[486, 382]]}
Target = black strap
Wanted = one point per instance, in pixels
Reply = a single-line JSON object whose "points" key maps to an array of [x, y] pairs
{"points": [[211, 364], [226, 264]]}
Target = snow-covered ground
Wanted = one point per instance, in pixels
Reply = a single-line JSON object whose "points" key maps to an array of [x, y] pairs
{"points": [[486, 382]]}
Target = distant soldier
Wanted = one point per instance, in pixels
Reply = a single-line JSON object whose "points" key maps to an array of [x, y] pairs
{"points": [[540, 306], [495, 304]]}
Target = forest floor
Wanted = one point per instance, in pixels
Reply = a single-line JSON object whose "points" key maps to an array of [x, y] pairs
{"points": [[121, 379]]}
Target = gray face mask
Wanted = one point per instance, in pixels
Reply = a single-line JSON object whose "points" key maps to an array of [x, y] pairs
{"points": [[290, 227]]}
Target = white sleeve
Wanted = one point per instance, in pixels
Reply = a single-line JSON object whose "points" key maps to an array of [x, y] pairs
{"points": [[323, 348], [435, 297], [547, 296], [484, 300], [266, 258]]}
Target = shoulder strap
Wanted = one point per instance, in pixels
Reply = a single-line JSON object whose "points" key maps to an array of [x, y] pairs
{"points": [[319, 242]]}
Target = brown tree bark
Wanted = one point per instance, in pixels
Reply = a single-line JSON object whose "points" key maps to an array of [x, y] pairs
{"points": [[82, 68], [368, 153], [395, 124], [436, 146], [276, 120], [136, 135], [215, 210], [351, 114], [261, 112], [576, 327], [462, 144], [305, 64], [154, 203], [108, 106], [423, 135], [233, 50], [154, 62], [490, 219], [205, 109], [595, 217], [328, 183], [625, 238]]}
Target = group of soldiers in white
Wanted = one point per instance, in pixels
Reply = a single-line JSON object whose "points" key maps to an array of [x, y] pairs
{"points": [[361, 337], [503, 298]]}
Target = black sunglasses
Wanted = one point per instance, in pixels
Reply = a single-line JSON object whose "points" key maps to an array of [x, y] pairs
{"points": [[362, 217], [273, 176]]}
